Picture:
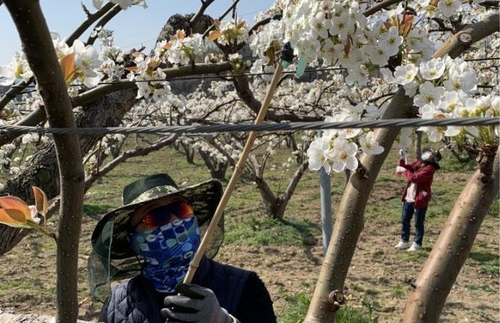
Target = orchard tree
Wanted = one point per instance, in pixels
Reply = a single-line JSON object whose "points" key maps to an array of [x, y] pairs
{"points": [[57, 105]]}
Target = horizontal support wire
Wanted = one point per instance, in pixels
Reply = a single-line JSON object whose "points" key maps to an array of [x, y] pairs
{"points": [[283, 126]]}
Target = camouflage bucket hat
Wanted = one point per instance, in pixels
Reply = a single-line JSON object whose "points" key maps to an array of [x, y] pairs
{"points": [[112, 258], [204, 198]]}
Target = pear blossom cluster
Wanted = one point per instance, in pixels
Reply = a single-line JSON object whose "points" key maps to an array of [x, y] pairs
{"points": [[447, 88], [260, 41], [181, 49], [87, 61], [232, 32], [337, 149], [376, 53], [18, 68], [339, 33]]}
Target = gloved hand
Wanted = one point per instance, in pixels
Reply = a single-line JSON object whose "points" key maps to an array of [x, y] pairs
{"points": [[194, 304], [402, 153], [400, 169]]}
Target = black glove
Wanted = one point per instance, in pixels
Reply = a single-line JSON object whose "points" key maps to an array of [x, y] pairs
{"points": [[194, 304]]}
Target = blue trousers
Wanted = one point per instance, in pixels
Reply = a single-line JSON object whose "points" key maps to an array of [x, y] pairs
{"points": [[406, 215]]}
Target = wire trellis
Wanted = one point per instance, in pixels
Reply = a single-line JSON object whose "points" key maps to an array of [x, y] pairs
{"points": [[200, 130]]}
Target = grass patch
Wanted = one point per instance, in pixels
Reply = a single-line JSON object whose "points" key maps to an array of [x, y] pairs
{"points": [[398, 291], [96, 209], [494, 210], [488, 262], [418, 256], [484, 288], [265, 230], [299, 304], [247, 223], [450, 164]]}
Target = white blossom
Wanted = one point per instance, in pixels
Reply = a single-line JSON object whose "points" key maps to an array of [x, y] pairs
{"points": [[316, 154], [433, 69], [390, 41], [370, 145], [87, 60], [428, 93], [449, 7], [343, 155]]}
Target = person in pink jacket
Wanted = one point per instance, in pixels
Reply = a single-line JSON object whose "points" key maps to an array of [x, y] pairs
{"points": [[416, 196]]}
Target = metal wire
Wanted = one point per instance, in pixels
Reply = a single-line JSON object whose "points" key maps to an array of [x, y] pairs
{"points": [[284, 126]]}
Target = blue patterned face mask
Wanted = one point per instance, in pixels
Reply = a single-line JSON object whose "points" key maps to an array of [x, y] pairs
{"points": [[167, 251]]}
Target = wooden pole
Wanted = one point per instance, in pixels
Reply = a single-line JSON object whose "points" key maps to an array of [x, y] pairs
{"points": [[234, 178]]}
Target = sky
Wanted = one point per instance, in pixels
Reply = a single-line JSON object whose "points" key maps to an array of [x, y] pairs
{"points": [[133, 27]]}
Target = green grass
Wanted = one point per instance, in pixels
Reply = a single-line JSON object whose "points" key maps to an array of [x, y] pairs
{"points": [[398, 291], [451, 164], [494, 210], [299, 305], [95, 209], [488, 262], [252, 230], [485, 288]]}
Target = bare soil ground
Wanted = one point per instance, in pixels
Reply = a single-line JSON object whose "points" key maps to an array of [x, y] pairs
{"points": [[380, 277]]}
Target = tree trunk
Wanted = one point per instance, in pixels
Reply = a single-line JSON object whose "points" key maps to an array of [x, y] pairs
{"points": [[453, 245], [292, 185], [350, 218], [217, 168], [50, 82]]}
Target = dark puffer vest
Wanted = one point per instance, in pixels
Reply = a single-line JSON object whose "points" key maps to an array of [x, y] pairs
{"points": [[136, 300]]}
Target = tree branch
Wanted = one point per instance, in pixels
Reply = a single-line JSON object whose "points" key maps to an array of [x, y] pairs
{"points": [[91, 19], [470, 34], [104, 20], [204, 5], [231, 7], [380, 6], [38, 115], [198, 69]]}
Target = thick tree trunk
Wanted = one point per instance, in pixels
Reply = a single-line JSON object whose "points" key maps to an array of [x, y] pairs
{"points": [[453, 245], [50, 82], [42, 170], [350, 219]]}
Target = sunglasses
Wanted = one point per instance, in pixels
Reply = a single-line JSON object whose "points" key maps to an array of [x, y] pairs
{"points": [[162, 215]]}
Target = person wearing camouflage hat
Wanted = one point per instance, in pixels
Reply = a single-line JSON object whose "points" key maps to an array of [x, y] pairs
{"points": [[152, 238]]}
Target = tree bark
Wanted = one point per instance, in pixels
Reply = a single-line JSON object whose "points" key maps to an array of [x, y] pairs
{"points": [[470, 34], [350, 218], [42, 169], [290, 189], [454, 244], [35, 35]]}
